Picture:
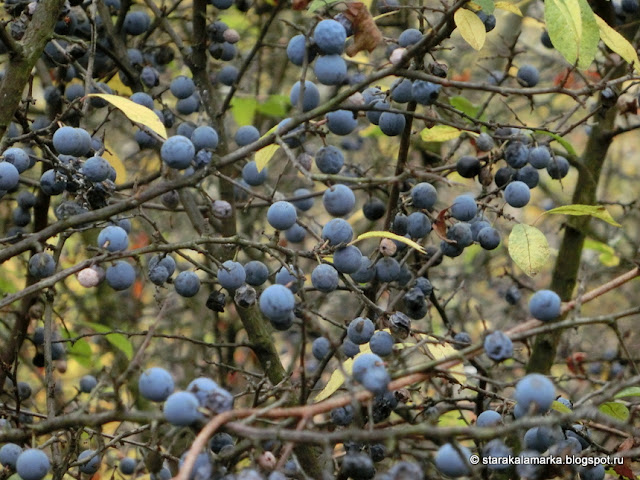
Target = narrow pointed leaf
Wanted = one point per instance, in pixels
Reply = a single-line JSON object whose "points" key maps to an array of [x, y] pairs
{"points": [[392, 236], [135, 112], [597, 211]]}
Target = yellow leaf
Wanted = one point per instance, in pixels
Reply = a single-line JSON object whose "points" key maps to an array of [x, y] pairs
{"points": [[392, 236], [116, 163], [509, 7], [597, 211], [135, 112], [528, 248], [617, 43], [266, 153], [444, 350], [337, 378], [471, 27], [439, 133]]}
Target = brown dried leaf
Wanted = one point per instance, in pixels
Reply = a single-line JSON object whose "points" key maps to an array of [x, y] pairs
{"points": [[367, 36], [440, 226], [300, 4], [624, 470]]}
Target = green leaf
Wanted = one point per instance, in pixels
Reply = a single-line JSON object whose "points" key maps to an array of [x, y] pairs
{"points": [[316, 5], [275, 106], [597, 211], [487, 6], [528, 248], [559, 407], [82, 353], [607, 257], [392, 236], [135, 112], [439, 133], [471, 27], [628, 392], [617, 43], [573, 30], [615, 410], [464, 105], [118, 340], [565, 144], [243, 110]]}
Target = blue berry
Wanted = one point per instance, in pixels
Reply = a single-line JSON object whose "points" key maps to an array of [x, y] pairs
{"points": [[320, 348], [88, 383], [464, 208], [329, 159], [374, 115], [381, 343], [252, 176], [181, 409], [366, 272], [231, 275], [545, 305], [155, 384], [347, 259], [409, 37], [9, 176], [165, 261], [418, 225], [204, 137], [219, 441], [516, 154], [329, 36], [210, 395], [311, 96], [247, 134], [360, 330], [304, 204], [51, 182], [401, 90], [18, 158], [120, 276], [387, 269], [498, 346], [324, 278], [593, 473], [92, 466], [276, 302], [392, 124], [282, 215], [535, 393], [461, 234], [484, 142], [337, 231], [529, 175], [528, 76], [256, 273], [295, 234], [342, 416], [291, 281], [113, 238], [489, 418], [136, 22], [9, 454], [452, 461], [517, 194], [489, 238], [228, 75], [424, 195], [539, 157], [32, 464], [182, 87], [187, 284], [96, 169], [425, 93], [349, 348], [42, 265], [128, 465], [338, 200], [178, 152], [330, 70], [558, 167], [341, 122], [296, 51], [189, 105], [369, 370], [513, 295], [143, 99]]}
